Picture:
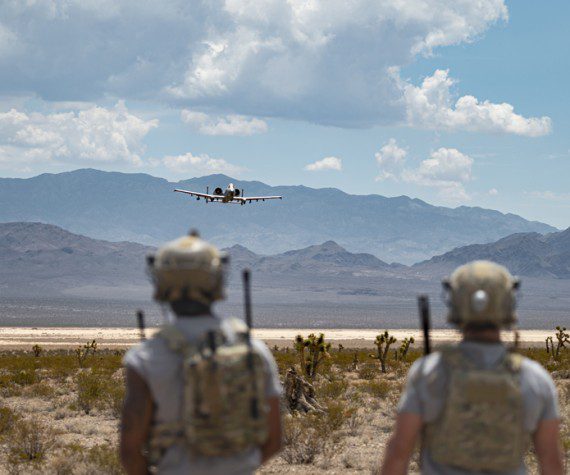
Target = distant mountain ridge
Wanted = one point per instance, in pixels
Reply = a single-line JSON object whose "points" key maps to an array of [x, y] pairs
{"points": [[528, 254], [141, 208], [36, 257]]}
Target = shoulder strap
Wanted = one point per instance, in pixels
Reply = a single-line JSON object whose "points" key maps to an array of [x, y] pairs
{"points": [[513, 362], [452, 357], [174, 338]]}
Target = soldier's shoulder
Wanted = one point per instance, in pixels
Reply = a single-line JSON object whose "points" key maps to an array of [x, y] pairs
{"points": [[144, 351], [426, 365], [534, 370]]}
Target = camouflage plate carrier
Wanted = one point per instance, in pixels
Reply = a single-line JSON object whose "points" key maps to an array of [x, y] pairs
{"points": [[481, 426], [224, 410]]}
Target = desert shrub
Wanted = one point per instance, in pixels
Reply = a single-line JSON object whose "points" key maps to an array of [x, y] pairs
{"points": [[377, 389], [354, 424], [30, 441], [115, 396], [41, 389], [336, 414], [302, 443], [90, 390], [104, 459], [367, 371], [37, 350], [332, 389], [82, 352], [8, 419]]}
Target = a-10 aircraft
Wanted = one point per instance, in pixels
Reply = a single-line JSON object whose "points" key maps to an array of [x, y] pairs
{"points": [[231, 195]]}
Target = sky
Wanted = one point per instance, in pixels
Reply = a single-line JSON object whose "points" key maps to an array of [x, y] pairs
{"points": [[451, 101]]}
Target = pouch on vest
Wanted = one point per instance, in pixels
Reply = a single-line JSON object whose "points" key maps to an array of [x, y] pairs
{"points": [[481, 426], [224, 405]]}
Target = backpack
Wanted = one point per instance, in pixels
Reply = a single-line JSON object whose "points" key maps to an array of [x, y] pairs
{"points": [[224, 410], [481, 426]]}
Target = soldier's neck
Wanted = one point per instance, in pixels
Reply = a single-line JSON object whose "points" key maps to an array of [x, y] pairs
{"points": [[190, 309], [482, 336]]}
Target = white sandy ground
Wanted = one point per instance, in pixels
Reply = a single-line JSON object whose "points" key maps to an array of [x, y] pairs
{"points": [[12, 338]]}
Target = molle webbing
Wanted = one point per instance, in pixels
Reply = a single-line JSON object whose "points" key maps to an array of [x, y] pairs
{"points": [[481, 425], [222, 379]]}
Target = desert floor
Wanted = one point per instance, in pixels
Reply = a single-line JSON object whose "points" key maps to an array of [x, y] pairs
{"points": [[60, 402], [14, 338]]}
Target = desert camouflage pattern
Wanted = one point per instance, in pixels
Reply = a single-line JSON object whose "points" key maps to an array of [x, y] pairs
{"points": [[224, 403], [481, 426], [188, 268], [482, 292]]}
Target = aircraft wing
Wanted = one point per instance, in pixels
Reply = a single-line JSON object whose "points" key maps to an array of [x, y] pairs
{"points": [[200, 195], [257, 198]]}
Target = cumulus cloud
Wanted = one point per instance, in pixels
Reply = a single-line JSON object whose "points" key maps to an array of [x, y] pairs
{"points": [[390, 160], [253, 58], [327, 163], [223, 125], [432, 106], [198, 164], [446, 169], [493, 192], [95, 134]]}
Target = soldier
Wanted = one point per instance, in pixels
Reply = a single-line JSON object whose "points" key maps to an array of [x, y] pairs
{"points": [[475, 405], [202, 397]]}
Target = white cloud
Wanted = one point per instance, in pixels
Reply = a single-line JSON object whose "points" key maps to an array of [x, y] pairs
{"points": [[199, 165], [95, 134], [431, 106], [327, 163], [260, 58], [390, 160], [493, 192], [447, 169], [223, 125]]}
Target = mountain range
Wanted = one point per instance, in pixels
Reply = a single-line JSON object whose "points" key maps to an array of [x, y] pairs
{"points": [[319, 285], [141, 208]]}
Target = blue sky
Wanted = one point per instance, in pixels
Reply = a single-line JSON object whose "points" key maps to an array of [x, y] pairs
{"points": [[454, 102]]}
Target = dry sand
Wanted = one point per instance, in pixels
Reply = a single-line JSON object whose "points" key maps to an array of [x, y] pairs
{"points": [[12, 338]]}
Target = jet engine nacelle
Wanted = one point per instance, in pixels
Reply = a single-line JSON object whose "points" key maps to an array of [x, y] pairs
{"points": [[237, 192], [218, 191]]}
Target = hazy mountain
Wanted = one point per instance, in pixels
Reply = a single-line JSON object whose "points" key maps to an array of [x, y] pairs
{"points": [[329, 258], [41, 258], [142, 208], [527, 254]]}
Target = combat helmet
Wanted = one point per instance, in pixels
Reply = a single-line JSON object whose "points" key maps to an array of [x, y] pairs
{"points": [[188, 268], [481, 292]]}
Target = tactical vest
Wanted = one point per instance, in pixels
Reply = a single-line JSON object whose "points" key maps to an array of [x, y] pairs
{"points": [[224, 408], [481, 426]]}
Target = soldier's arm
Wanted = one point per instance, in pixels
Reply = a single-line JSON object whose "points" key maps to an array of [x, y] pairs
{"points": [[135, 424], [401, 444], [548, 449], [274, 440]]}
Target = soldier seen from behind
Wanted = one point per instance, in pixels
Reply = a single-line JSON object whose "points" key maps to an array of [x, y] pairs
{"points": [[202, 397], [476, 406]]}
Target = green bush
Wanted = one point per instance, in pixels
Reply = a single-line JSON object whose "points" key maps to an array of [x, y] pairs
{"points": [[30, 441]]}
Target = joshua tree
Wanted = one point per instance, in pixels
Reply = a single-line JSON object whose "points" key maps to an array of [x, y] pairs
{"points": [[383, 342], [83, 351], [37, 349], [404, 348], [562, 338], [312, 351], [549, 345]]}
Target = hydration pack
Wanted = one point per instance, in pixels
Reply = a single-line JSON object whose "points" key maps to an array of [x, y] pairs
{"points": [[481, 426], [224, 410]]}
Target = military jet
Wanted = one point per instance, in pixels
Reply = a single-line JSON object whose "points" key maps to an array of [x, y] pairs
{"points": [[230, 195]]}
